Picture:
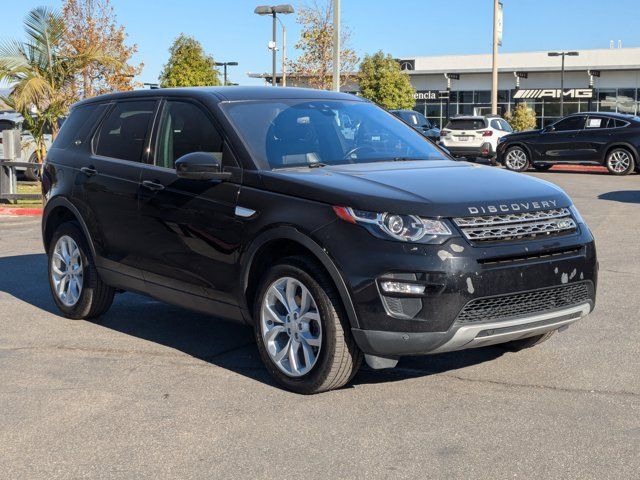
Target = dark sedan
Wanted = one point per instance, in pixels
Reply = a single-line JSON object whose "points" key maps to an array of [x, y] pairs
{"points": [[608, 139], [419, 122]]}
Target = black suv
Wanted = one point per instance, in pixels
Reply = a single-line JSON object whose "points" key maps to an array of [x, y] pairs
{"points": [[600, 138], [328, 224], [419, 122]]}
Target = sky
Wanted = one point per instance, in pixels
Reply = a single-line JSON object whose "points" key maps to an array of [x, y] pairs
{"points": [[230, 31]]}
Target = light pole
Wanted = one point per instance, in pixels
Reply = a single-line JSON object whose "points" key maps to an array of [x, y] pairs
{"points": [[273, 11], [225, 65], [562, 54], [497, 42], [336, 45], [284, 53]]}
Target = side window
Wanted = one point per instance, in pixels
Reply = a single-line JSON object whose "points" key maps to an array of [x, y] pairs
{"points": [[496, 124], [599, 122], [505, 126], [125, 129], [185, 128], [570, 123], [617, 123], [80, 122]]}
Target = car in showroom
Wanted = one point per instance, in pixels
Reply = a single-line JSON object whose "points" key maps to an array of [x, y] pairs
{"points": [[474, 136], [590, 138], [419, 122], [331, 227]]}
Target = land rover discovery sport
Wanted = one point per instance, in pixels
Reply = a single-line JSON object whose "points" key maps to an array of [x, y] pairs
{"points": [[333, 228]]}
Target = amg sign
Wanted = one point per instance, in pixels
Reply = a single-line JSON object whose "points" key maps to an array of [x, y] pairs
{"points": [[578, 93]]}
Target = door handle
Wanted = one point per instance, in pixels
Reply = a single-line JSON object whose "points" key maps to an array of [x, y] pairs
{"points": [[89, 171], [154, 186]]}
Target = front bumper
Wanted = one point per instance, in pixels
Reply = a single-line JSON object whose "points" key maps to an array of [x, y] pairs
{"points": [[461, 337], [456, 274]]}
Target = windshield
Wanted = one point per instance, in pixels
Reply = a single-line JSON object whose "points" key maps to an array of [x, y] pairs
{"points": [[294, 133]]}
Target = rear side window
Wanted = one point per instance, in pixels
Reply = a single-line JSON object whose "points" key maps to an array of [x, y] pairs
{"points": [[75, 129], [123, 133], [599, 122], [465, 124]]}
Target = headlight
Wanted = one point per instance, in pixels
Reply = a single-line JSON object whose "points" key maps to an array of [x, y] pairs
{"points": [[406, 228]]}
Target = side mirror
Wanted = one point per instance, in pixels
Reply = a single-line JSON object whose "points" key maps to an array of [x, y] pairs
{"points": [[550, 128], [200, 166]]}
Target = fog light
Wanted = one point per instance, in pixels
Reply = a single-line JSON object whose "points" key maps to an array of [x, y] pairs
{"points": [[400, 287]]}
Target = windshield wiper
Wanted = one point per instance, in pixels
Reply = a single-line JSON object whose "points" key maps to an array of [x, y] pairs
{"points": [[407, 159], [317, 165]]}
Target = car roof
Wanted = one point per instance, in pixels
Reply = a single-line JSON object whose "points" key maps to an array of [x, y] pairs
{"points": [[621, 116], [231, 93]]}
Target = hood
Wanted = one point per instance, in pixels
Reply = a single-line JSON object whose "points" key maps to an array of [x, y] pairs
{"points": [[429, 188]]}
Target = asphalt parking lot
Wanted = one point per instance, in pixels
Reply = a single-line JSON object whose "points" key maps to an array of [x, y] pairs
{"points": [[154, 391]]}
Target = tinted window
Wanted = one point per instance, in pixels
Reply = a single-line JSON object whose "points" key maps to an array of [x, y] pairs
{"points": [[465, 124], [78, 125], [570, 123], [505, 126], [290, 133], [599, 122], [185, 128], [496, 124], [123, 132], [618, 123]]}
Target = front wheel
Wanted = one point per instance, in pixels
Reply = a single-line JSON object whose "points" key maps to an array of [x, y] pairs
{"points": [[620, 161], [301, 330], [516, 159]]}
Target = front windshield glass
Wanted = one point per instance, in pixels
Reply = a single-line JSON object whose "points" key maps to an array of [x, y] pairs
{"points": [[294, 133]]}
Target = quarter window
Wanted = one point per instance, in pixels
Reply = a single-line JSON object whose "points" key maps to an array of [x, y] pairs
{"points": [[78, 125], [185, 128], [123, 133]]}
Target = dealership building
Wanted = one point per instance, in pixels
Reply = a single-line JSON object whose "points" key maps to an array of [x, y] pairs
{"points": [[616, 89]]}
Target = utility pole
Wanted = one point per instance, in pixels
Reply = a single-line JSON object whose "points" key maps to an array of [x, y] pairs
{"points": [[336, 45], [497, 40], [562, 54], [273, 46]]}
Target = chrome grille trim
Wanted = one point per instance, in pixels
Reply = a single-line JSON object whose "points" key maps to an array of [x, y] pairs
{"points": [[516, 225]]}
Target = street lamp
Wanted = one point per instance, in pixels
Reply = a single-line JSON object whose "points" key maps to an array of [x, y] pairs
{"points": [[562, 54], [225, 64], [284, 9]]}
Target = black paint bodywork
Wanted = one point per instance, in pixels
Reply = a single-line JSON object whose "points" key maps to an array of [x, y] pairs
{"points": [[586, 145], [186, 245]]}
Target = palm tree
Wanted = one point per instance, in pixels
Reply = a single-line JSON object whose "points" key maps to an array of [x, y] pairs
{"points": [[41, 72]]}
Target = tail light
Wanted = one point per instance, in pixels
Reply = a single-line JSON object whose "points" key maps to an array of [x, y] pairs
{"points": [[486, 133], [444, 133]]}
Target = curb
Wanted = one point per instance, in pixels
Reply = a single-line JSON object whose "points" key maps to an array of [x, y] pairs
{"points": [[32, 212]]}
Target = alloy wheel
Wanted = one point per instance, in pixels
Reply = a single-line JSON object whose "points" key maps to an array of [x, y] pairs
{"points": [[67, 271], [516, 159], [291, 327], [619, 161]]}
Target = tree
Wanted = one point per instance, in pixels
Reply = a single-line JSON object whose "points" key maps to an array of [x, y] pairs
{"points": [[91, 26], [382, 82], [189, 65], [315, 63], [521, 118], [41, 73]]}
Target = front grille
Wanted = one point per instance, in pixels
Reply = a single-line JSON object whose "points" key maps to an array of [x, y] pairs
{"points": [[525, 303], [515, 226]]}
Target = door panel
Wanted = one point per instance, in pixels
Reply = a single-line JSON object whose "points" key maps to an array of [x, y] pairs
{"points": [[592, 141], [109, 183], [190, 226], [560, 144]]}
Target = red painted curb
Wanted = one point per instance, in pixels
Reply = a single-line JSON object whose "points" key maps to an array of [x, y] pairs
{"points": [[579, 168], [34, 212]]}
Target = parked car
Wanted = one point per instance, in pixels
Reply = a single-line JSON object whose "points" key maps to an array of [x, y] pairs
{"points": [[10, 120], [598, 138], [253, 204], [473, 136], [419, 122]]}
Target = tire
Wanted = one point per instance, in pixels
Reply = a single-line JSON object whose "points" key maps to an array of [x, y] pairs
{"points": [[30, 173], [620, 161], [516, 159], [334, 359], [542, 168], [94, 297], [524, 343]]}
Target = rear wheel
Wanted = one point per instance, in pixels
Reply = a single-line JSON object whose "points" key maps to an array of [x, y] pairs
{"points": [[620, 161], [524, 343], [516, 159], [32, 173], [75, 284], [301, 329]]}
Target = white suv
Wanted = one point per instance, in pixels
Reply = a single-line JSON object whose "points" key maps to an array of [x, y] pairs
{"points": [[473, 136]]}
